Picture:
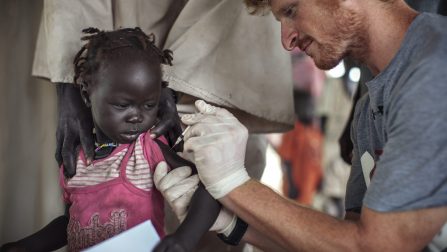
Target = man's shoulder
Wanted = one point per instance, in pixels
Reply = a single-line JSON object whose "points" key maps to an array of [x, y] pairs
{"points": [[426, 74], [424, 69], [432, 40], [421, 57]]}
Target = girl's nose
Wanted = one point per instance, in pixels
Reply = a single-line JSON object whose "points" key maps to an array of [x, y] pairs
{"points": [[288, 37], [135, 117]]}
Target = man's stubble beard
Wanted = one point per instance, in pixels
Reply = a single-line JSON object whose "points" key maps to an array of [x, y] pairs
{"points": [[349, 38]]}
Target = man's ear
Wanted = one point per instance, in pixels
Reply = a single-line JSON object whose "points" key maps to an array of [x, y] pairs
{"points": [[85, 96]]}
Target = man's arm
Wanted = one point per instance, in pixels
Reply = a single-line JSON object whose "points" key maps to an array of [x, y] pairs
{"points": [[217, 141], [260, 240], [298, 228]]}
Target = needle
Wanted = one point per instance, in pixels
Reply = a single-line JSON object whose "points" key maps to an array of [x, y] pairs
{"points": [[180, 138]]}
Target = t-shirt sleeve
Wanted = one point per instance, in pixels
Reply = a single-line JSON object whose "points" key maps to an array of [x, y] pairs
{"points": [[356, 187], [412, 171], [152, 151]]}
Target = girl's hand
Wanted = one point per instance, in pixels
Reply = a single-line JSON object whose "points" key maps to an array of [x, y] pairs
{"points": [[172, 243]]}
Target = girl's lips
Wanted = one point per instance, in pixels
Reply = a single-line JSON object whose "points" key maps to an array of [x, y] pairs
{"points": [[130, 136]]}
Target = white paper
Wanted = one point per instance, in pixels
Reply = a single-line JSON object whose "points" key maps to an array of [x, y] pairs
{"points": [[142, 237]]}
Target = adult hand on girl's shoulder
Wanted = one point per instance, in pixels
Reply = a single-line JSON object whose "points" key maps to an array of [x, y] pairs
{"points": [[169, 121], [74, 128]]}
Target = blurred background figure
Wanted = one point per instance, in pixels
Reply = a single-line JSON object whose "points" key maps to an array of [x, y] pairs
{"points": [[301, 149], [313, 172]]}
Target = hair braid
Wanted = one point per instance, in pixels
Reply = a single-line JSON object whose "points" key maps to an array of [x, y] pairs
{"points": [[99, 42]]}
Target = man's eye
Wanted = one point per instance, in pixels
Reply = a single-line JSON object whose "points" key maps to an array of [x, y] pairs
{"points": [[290, 11]]}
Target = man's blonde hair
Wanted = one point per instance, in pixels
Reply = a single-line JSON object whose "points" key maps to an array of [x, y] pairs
{"points": [[258, 7], [262, 7]]}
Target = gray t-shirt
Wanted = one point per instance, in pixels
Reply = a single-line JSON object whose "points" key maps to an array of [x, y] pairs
{"points": [[400, 127]]}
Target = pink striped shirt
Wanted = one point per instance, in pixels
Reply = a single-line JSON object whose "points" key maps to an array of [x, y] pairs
{"points": [[113, 194]]}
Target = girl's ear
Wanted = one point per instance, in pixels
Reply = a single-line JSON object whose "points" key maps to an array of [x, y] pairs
{"points": [[85, 96]]}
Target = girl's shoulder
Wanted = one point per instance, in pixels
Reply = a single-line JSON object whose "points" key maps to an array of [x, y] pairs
{"points": [[151, 149]]}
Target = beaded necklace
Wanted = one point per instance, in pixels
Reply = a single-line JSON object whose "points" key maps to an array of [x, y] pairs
{"points": [[105, 145]]}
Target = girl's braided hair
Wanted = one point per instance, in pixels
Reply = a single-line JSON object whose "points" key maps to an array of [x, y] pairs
{"points": [[87, 60]]}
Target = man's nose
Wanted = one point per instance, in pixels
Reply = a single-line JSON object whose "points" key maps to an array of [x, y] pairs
{"points": [[289, 37]]}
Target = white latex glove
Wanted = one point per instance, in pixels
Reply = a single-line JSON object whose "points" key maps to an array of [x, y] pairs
{"points": [[178, 187], [217, 141], [225, 222]]}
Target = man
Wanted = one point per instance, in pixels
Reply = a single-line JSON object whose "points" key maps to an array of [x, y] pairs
{"points": [[397, 191]]}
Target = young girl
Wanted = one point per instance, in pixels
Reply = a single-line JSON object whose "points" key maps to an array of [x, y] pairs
{"points": [[119, 74]]}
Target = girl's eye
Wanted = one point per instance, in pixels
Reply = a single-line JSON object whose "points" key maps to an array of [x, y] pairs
{"points": [[148, 106], [121, 106]]}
